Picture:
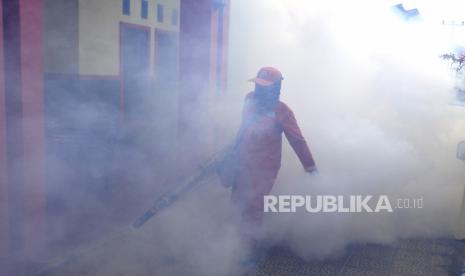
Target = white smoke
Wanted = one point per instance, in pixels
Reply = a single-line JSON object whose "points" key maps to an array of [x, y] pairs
{"points": [[371, 97]]}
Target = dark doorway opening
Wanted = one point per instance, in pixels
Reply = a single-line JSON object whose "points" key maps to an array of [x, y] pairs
{"points": [[166, 57], [135, 71]]}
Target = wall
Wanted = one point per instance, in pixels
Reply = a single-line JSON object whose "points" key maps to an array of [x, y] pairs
{"points": [[61, 36], [99, 32], [83, 106], [23, 107]]}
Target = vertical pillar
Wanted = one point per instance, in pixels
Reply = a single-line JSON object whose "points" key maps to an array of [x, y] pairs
{"points": [[203, 61], [23, 67], [13, 117], [4, 225], [225, 46], [32, 82], [194, 73], [218, 66], [219, 46]]}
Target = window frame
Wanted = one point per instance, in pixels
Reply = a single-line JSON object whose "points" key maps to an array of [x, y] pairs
{"points": [[126, 7], [144, 9], [160, 13], [174, 17]]}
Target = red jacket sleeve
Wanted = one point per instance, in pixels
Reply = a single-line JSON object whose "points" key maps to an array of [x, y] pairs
{"points": [[295, 137]]}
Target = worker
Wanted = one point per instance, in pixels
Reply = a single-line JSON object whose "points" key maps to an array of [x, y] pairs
{"points": [[258, 147]]}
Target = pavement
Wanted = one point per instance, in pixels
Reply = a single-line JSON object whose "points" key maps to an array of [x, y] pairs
{"points": [[408, 257], [422, 257]]}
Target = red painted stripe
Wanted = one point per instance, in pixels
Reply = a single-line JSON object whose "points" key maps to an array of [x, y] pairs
{"points": [[4, 226], [121, 87], [213, 50], [224, 81], [32, 74]]}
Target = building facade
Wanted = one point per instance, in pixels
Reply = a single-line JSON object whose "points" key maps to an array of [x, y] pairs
{"points": [[76, 74]]}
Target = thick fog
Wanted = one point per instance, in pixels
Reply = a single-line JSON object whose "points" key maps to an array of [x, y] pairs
{"points": [[372, 98]]}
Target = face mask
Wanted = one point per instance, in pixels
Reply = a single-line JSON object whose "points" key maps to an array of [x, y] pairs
{"points": [[267, 96]]}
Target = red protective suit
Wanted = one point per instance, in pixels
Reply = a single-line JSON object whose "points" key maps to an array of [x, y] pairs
{"points": [[260, 155]]}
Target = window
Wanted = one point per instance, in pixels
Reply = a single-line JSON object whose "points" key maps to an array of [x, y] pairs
{"points": [[126, 7], [144, 9], [174, 17], [160, 13]]}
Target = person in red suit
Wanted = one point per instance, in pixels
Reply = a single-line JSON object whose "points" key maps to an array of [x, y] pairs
{"points": [[259, 146]]}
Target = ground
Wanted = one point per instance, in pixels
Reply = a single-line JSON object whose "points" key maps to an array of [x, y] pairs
{"points": [[408, 257], [435, 257]]}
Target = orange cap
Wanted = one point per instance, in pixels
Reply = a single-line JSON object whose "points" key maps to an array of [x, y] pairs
{"points": [[267, 76]]}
